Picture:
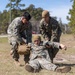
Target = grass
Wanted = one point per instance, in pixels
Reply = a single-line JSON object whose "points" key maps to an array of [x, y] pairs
{"points": [[4, 40], [7, 66]]}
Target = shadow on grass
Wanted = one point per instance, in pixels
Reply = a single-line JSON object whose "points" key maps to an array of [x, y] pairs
{"points": [[62, 64]]}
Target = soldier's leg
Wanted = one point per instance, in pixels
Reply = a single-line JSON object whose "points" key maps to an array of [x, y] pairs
{"points": [[54, 52], [50, 66], [50, 54], [45, 64], [15, 54], [26, 58], [33, 66], [14, 46]]}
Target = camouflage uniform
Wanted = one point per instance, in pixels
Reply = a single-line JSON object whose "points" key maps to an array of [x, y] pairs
{"points": [[17, 31], [52, 31], [39, 56]]}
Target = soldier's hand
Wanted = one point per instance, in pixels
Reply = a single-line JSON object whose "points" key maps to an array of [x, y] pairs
{"points": [[46, 39], [23, 41], [47, 46], [63, 47], [28, 47], [45, 42], [29, 44]]}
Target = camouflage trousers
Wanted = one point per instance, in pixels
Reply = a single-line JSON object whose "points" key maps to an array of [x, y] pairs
{"points": [[15, 54], [52, 53], [43, 63], [14, 48]]}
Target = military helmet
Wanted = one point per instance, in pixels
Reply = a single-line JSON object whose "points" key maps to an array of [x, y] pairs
{"points": [[36, 37], [45, 13], [27, 16]]}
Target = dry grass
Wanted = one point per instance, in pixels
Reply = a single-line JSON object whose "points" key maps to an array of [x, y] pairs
{"points": [[7, 66]]}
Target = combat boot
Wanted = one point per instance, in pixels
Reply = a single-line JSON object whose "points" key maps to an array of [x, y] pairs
{"points": [[17, 63], [11, 52], [29, 68], [63, 69]]}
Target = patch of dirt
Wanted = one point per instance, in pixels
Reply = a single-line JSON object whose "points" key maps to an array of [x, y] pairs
{"points": [[68, 40], [61, 58], [7, 66], [68, 55]]}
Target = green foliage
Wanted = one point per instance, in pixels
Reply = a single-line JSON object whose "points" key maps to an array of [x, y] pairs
{"points": [[14, 11], [3, 40], [72, 17], [15, 4], [4, 20], [35, 12], [14, 8]]}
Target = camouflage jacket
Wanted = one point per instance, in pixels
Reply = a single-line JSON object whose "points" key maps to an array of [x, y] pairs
{"points": [[51, 30], [41, 50], [18, 30]]}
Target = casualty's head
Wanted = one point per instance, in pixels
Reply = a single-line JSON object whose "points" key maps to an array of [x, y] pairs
{"points": [[37, 39]]}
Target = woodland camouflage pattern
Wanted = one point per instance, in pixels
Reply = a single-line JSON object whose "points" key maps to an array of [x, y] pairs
{"points": [[17, 31], [39, 56], [52, 31]]}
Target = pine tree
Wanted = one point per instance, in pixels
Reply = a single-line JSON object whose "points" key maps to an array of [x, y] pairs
{"points": [[15, 8], [72, 17]]}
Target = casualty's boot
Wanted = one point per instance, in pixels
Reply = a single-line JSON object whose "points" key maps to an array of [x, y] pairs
{"points": [[63, 69], [29, 68]]}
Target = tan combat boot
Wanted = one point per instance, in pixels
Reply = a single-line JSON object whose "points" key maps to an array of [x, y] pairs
{"points": [[29, 68], [63, 69], [11, 52]]}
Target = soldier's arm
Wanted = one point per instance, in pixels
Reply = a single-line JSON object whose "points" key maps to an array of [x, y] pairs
{"points": [[55, 45], [56, 31], [16, 34], [42, 29], [29, 33], [59, 45]]}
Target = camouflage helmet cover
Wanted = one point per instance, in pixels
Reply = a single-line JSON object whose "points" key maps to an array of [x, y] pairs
{"points": [[37, 38]]}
